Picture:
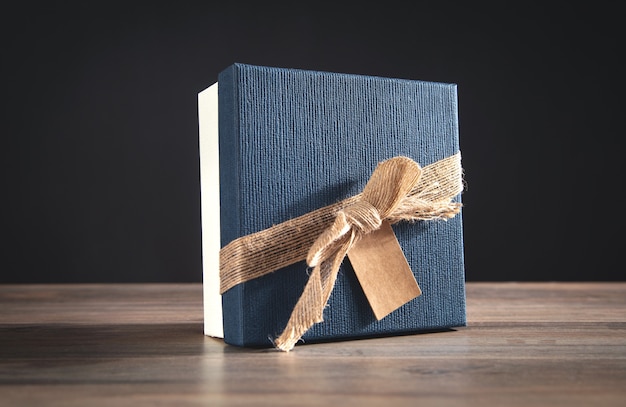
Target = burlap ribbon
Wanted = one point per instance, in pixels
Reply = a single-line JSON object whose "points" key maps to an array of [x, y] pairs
{"points": [[398, 190]]}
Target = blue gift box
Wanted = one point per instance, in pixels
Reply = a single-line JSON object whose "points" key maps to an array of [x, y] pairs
{"points": [[286, 142]]}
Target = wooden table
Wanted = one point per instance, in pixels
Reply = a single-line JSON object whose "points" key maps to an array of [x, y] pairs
{"points": [[527, 344]]}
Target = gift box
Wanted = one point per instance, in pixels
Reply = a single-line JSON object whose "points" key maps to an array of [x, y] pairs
{"points": [[283, 154]]}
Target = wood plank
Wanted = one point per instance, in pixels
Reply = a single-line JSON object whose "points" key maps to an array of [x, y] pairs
{"points": [[142, 344]]}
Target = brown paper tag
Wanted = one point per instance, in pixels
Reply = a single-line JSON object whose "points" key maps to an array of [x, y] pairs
{"points": [[383, 271]]}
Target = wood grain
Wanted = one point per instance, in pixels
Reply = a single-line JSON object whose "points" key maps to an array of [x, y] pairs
{"points": [[526, 344]]}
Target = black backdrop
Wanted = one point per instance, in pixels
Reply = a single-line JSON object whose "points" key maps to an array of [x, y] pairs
{"points": [[99, 133]]}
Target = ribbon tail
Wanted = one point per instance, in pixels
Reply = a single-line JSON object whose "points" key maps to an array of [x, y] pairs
{"points": [[309, 309], [306, 313]]}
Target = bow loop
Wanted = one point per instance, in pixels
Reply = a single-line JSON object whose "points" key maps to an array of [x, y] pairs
{"points": [[390, 183]]}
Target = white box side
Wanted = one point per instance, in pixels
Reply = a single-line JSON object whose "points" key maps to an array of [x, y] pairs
{"points": [[210, 209]]}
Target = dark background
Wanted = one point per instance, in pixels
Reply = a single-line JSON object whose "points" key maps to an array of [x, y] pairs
{"points": [[100, 171]]}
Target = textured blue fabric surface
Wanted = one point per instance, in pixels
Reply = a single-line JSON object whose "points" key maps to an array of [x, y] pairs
{"points": [[292, 141]]}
